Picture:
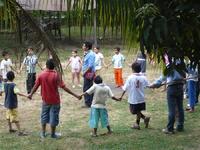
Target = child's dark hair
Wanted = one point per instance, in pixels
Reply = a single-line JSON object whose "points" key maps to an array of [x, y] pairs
{"points": [[4, 53], [97, 47], [10, 75], [50, 64], [98, 80], [88, 44], [75, 51], [136, 67], [117, 48]]}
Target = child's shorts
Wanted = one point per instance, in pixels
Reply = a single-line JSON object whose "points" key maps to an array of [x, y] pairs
{"points": [[75, 70], [95, 115], [12, 115], [135, 108], [50, 114]]}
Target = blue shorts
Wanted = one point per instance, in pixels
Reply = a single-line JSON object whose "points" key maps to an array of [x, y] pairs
{"points": [[95, 115], [50, 114]]}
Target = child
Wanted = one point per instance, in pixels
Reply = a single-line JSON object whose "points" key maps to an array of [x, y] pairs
{"points": [[6, 65], [30, 61], [192, 87], [11, 103], [118, 60], [99, 59], [75, 62], [50, 80], [98, 107], [135, 87]]}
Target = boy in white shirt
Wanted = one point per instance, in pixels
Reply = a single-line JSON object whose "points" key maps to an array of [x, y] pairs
{"points": [[135, 85], [76, 63], [6, 65], [98, 107], [117, 61], [99, 59]]}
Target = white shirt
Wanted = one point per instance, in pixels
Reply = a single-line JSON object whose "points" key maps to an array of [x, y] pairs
{"points": [[98, 61], [75, 62], [5, 67], [101, 94], [135, 85], [118, 60]]}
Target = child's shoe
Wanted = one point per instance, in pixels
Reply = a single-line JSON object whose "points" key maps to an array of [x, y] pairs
{"points": [[73, 86], [80, 85], [56, 136], [93, 135], [22, 134], [166, 131], [43, 135], [12, 131], [135, 126]]}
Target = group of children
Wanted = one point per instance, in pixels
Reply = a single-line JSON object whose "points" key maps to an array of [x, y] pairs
{"points": [[101, 92], [117, 61], [134, 85]]}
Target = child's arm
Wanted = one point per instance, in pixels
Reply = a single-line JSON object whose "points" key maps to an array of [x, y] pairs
{"points": [[21, 94], [72, 93], [16, 91], [67, 64], [122, 95], [117, 99]]}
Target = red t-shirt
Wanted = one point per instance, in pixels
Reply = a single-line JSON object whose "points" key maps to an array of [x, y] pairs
{"points": [[50, 81]]}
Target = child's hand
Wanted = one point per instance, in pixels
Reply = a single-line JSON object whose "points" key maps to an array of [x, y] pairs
{"points": [[79, 97], [29, 96]]}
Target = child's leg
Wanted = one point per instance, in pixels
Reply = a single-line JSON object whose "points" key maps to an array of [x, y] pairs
{"points": [[20, 133], [109, 129], [116, 76], [142, 116], [43, 129], [146, 119], [53, 130], [95, 131], [73, 76], [9, 125], [18, 126], [138, 116], [120, 80], [78, 77]]}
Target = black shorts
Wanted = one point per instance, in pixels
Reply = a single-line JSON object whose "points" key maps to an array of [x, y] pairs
{"points": [[135, 108]]}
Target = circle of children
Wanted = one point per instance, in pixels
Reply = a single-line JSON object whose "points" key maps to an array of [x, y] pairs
{"points": [[95, 95]]}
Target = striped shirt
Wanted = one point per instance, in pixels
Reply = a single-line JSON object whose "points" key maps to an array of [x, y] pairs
{"points": [[30, 62]]}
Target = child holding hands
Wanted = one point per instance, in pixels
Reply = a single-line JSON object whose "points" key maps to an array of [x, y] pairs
{"points": [[98, 107], [11, 103], [135, 85]]}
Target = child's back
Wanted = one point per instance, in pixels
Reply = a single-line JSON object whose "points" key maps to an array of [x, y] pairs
{"points": [[10, 96], [135, 85], [101, 93]]}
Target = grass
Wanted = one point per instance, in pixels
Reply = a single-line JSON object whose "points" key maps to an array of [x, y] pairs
{"points": [[74, 120]]}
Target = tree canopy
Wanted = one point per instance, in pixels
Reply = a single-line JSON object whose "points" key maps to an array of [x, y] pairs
{"points": [[170, 26]]}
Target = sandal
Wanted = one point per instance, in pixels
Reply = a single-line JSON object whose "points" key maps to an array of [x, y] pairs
{"points": [[93, 135], [135, 126]]}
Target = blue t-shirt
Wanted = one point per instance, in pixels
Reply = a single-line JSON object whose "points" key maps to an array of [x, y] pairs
{"points": [[89, 61], [10, 96]]}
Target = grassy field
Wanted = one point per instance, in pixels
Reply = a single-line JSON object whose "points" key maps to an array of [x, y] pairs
{"points": [[74, 121]]}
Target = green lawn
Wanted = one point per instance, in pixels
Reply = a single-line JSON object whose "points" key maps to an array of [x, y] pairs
{"points": [[74, 121]]}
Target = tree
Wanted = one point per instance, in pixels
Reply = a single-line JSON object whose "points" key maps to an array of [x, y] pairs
{"points": [[171, 26]]}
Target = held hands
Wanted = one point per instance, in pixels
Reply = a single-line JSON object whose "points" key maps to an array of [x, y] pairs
{"points": [[29, 96]]}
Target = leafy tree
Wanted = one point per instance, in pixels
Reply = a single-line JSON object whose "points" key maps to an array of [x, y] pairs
{"points": [[170, 26]]}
